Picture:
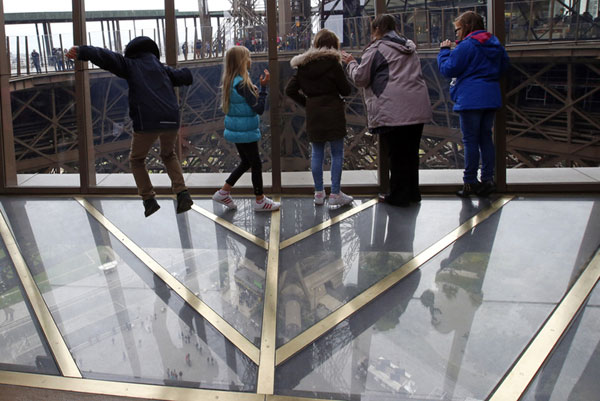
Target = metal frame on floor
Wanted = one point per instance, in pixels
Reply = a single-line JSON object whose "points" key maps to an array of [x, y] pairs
{"points": [[268, 357]]}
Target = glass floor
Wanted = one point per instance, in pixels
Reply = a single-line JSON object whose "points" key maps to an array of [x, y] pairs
{"points": [[449, 299]]}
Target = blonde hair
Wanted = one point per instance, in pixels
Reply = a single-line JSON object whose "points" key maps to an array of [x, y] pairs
{"points": [[236, 63]]}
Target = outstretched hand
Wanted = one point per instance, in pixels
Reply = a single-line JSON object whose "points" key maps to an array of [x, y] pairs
{"points": [[72, 53], [264, 79], [347, 57]]}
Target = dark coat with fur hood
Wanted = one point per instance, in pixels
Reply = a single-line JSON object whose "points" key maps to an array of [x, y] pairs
{"points": [[318, 86]]}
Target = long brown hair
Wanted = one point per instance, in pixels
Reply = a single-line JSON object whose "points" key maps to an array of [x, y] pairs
{"points": [[326, 38], [384, 23], [236, 63], [469, 21]]}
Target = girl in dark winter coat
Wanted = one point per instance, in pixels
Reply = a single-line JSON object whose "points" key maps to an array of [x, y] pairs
{"points": [[318, 86], [475, 66]]}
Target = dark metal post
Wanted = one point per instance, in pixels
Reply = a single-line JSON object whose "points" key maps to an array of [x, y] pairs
{"points": [[496, 26], [7, 150], [170, 33], [27, 55], [18, 56], [83, 104], [274, 95]]}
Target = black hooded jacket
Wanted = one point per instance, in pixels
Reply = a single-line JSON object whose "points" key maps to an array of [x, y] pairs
{"points": [[152, 101], [318, 85]]}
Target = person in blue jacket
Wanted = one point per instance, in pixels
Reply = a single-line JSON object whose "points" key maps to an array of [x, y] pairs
{"points": [[242, 103], [475, 66], [153, 108]]}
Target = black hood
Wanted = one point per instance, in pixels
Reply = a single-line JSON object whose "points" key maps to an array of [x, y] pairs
{"points": [[140, 45]]}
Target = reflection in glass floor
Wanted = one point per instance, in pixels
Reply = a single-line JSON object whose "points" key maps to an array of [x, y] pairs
{"points": [[432, 302]]}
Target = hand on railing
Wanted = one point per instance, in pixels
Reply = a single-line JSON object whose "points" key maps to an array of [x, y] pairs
{"points": [[72, 53]]}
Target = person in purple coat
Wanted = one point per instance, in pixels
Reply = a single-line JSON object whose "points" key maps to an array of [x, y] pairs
{"points": [[475, 66], [398, 104]]}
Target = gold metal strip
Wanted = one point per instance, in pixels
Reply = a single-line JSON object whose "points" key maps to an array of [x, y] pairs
{"points": [[121, 389], [266, 367], [292, 398], [298, 343], [328, 223], [59, 348], [523, 372], [241, 342], [231, 227]]}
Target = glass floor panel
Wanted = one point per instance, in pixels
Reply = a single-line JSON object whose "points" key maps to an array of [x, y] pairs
{"points": [[119, 320], [571, 373], [452, 329], [224, 270], [301, 214], [257, 224], [321, 273], [23, 346]]}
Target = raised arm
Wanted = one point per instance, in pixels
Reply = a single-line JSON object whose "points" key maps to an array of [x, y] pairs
{"points": [[103, 58], [179, 77]]}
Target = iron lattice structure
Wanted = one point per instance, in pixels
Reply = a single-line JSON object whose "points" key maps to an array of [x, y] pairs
{"points": [[552, 121]]}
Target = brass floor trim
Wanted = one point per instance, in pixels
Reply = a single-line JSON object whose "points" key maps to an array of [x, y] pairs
{"points": [[268, 345], [62, 355], [241, 342], [122, 389], [304, 339], [523, 372], [292, 398], [231, 227], [328, 223]]}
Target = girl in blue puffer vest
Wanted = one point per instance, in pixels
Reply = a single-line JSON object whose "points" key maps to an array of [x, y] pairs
{"points": [[242, 104], [475, 66]]}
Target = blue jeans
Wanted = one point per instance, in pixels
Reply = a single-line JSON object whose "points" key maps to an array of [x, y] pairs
{"points": [[476, 127], [337, 159]]}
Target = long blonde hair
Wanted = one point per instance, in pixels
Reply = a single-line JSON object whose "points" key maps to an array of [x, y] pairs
{"points": [[236, 63]]}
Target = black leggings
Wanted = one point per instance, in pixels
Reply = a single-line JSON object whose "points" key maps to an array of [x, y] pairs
{"points": [[250, 159]]}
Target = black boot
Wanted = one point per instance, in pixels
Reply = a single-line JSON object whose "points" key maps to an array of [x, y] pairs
{"points": [[150, 206], [469, 189], [184, 202], [486, 188]]}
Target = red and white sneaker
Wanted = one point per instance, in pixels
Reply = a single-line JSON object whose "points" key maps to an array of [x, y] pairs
{"points": [[266, 205], [224, 198], [319, 197]]}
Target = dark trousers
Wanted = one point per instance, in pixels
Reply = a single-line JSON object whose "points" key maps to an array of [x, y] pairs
{"points": [[403, 152], [250, 160]]}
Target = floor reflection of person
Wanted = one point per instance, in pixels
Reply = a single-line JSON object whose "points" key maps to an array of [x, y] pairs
{"points": [[458, 290], [384, 242]]}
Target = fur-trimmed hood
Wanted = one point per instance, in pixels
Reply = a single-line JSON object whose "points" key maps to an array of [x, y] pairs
{"points": [[313, 54]]}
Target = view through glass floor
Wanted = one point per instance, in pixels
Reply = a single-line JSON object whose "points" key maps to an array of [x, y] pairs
{"points": [[431, 302]]}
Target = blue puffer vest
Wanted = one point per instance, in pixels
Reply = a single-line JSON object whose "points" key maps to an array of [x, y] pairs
{"points": [[241, 122]]}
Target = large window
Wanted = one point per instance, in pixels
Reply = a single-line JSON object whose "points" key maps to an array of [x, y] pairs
{"points": [[43, 101]]}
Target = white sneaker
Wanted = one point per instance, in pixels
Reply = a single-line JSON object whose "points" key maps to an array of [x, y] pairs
{"points": [[266, 205], [340, 199], [224, 199], [319, 197]]}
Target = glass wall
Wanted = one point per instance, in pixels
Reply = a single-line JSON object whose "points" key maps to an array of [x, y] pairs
{"points": [[43, 104], [551, 120]]}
